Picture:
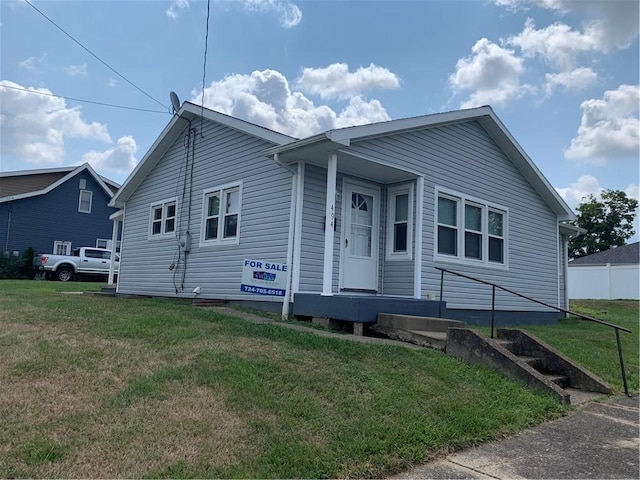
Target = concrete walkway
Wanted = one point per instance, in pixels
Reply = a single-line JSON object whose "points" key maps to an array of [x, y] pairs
{"points": [[597, 440]]}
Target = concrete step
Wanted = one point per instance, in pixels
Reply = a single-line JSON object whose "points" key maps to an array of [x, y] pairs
{"points": [[436, 339], [561, 380], [579, 397], [534, 362], [507, 344], [414, 322]]}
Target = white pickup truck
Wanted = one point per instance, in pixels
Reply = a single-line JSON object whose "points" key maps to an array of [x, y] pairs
{"points": [[84, 261]]}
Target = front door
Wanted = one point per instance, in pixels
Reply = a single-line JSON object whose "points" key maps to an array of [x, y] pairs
{"points": [[359, 242]]}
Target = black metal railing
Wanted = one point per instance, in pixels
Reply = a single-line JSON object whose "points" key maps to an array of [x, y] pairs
{"points": [[493, 286]]}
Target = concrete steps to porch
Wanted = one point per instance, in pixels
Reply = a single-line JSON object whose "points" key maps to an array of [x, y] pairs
{"points": [[514, 353], [525, 358]]}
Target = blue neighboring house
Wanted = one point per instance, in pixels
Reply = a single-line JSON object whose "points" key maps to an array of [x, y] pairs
{"points": [[55, 210]]}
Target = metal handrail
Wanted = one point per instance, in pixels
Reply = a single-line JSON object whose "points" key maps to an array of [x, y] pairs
{"points": [[617, 328]]}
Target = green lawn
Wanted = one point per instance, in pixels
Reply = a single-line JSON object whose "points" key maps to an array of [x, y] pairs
{"points": [[105, 387]]}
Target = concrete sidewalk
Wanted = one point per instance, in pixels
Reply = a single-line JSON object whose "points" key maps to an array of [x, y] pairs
{"points": [[597, 440]]}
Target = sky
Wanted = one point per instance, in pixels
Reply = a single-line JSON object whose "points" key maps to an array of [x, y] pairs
{"points": [[89, 81]]}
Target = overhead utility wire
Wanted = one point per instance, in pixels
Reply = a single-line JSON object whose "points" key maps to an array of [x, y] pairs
{"points": [[204, 67], [94, 55], [84, 101]]}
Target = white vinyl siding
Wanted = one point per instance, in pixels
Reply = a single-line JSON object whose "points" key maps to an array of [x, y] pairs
{"points": [[84, 201], [464, 158], [399, 222], [223, 156], [162, 218], [221, 215]]}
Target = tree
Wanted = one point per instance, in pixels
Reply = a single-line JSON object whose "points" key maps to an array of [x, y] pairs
{"points": [[608, 222]]}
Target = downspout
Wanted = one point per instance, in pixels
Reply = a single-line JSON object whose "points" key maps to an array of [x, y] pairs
{"points": [[292, 216]]}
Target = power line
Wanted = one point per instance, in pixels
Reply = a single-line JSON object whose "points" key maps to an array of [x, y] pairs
{"points": [[94, 55], [204, 67], [81, 100]]}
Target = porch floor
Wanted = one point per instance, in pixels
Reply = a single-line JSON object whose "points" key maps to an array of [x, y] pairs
{"points": [[360, 308]]}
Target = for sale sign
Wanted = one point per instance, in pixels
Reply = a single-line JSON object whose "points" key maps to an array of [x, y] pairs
{"points": [[264, 278]]}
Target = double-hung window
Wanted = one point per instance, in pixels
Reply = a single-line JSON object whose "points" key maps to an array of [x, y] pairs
{"points": [[221, 214], [163, 218], [84, 201], [470, 230], [399, 222]]}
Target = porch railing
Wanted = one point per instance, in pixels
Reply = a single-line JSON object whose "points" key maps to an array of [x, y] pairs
{"points": [[493, 286]]}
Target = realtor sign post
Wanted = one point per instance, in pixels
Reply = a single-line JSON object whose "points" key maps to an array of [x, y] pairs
{"points": [[264, 278]]}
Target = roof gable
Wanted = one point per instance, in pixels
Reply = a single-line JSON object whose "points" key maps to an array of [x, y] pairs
{"points": [[626, 254], [181, 120], [485, 116], [30, 183]]}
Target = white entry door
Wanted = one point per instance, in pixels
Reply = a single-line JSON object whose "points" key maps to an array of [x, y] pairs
{"points": [[359, 239]]}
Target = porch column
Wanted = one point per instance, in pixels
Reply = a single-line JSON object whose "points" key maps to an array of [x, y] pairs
{"points": [[330, 219], [117, 220], [417, 266]]}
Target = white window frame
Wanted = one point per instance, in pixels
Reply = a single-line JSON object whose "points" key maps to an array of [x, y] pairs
{"points": [[460, 258], [83, 192], [220, 190], [65, 245], [393, 192], [163, 204]]}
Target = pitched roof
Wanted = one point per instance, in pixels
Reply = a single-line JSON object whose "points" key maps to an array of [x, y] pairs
{"points": [[341, 138], [29, 183], [626, 254], [189, 111]]}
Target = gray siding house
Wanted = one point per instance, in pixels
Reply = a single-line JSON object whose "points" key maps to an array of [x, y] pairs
{"points": [[356, 220]]}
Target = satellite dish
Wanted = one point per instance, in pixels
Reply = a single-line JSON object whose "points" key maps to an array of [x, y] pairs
{"points": [[175, 102]]}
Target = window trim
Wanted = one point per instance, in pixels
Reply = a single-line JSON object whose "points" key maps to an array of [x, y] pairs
{"points": [[392, 192], [163, 234], [461, 201], [64, 244], [80, 201], [220, 240]]}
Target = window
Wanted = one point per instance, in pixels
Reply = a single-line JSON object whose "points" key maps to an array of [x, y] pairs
{"points": [[84, 202], [470, 230], [399, 222], [221, 214], [61, 248], [163, 218]]}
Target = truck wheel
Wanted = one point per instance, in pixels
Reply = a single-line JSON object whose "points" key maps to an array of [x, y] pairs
{"points": [[64, 274]]}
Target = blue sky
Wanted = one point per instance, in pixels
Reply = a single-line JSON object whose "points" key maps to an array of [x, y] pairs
{"points": [[562, 75]]}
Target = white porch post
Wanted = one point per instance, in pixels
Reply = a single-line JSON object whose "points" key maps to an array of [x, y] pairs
{"points": [[290, 241], [117, 220], [417, 267], [330, 219]]}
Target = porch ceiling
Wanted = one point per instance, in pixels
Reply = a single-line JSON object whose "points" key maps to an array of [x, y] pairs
{"points": [[348, 163]]}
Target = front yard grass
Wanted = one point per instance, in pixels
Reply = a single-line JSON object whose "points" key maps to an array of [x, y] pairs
{"points": [[105, 387]]}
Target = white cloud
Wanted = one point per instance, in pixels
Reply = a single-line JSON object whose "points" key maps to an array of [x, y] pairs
{"points": [[575, 193], [113, 82], [34, 127], [558, 44], [290, 14], [573, 80], [608, 23], [492, 73], [335, 81], [77, 70], [176, 8], [265, 98], [609, 128], [32, 63], [119, 159]]}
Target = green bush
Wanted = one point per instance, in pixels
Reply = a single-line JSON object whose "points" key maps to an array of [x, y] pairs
{"points": [[17, 267]]}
